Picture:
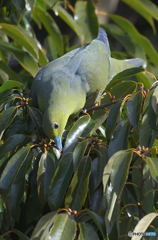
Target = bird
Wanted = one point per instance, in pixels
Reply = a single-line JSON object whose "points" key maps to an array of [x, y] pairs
{"points": [[60, 88]]}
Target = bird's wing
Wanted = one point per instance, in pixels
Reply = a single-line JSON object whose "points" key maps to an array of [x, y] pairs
{"points": [[45, 74], [94, 66], [117, 66]]}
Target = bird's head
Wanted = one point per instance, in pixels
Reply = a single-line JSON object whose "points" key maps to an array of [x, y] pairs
{"points": [[54, 126]]}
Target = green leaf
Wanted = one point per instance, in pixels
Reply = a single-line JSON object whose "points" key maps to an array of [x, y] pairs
{"points": [[6, 118], [96, 196], [98, 165], [18, 233], [120, 138], [43, 60], [36, 117], [145, 79], [145, 9], [78, 188], [12, 75], [4, 97], [97, 220], [64, 228], [46, 169], [124, 75], [11, 143], [81, 128], [14, 197], [154, 100], [118, 165], [87, 232], [79, 152], [13, 168], [123, 39], [48, 22], [123, 88], [8, 85], [43, 226], [137, 38], [112, 119], [60, 181], [52, 2], [26, 60], [153, 166], [68, 19], [20, 36], [147, 132], [86, 19], [143, 224], [134, 108], [148, 190]]}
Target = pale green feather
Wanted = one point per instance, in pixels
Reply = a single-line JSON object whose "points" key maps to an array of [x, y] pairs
{"points": [[61, 87]]}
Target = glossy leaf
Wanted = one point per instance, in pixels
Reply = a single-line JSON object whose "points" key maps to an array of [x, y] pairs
{"points": [[36, 117], [81, 128], [79, 152], [66, 17], [13, 167], [134, 107], [144, 8], [148, 191], [78, 188], [98, 165], [123, 88], [112, 119], [6, 118], [154, 100], [64, 228], [120, 138], [43, 226], [86, 19], [126, 42], [22, 57], [148, 124], [87, 232], [97, 220], [60, 181], [120, 163], [12, 75], [153, 166], [18, 233], [139, 39], [145, 79], [21, 37], [45, 18], [10, 85], [11, 143], [45, 173], [124, 75]]}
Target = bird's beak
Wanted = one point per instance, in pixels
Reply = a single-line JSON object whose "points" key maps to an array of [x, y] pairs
{"points": [[58, 142]]}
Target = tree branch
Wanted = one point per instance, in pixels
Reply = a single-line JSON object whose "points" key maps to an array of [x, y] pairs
{"points": [[101, 106]]}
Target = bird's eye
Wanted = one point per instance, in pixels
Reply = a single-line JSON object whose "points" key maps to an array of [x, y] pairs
{"points": [[55, 125]]}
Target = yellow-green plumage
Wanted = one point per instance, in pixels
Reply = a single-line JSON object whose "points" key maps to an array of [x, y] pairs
{"points": [[61, 87]]}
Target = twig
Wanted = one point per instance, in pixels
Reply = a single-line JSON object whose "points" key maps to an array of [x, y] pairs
{"points": [[101, 106]]}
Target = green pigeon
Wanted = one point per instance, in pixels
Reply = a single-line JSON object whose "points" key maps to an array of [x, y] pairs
{"points": [[61, 87]]}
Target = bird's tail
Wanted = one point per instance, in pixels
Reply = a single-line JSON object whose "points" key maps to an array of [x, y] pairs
{"points": [[121, 65]]}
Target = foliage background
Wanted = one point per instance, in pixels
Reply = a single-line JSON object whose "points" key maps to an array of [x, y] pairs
{"points": [[104, 184]]}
